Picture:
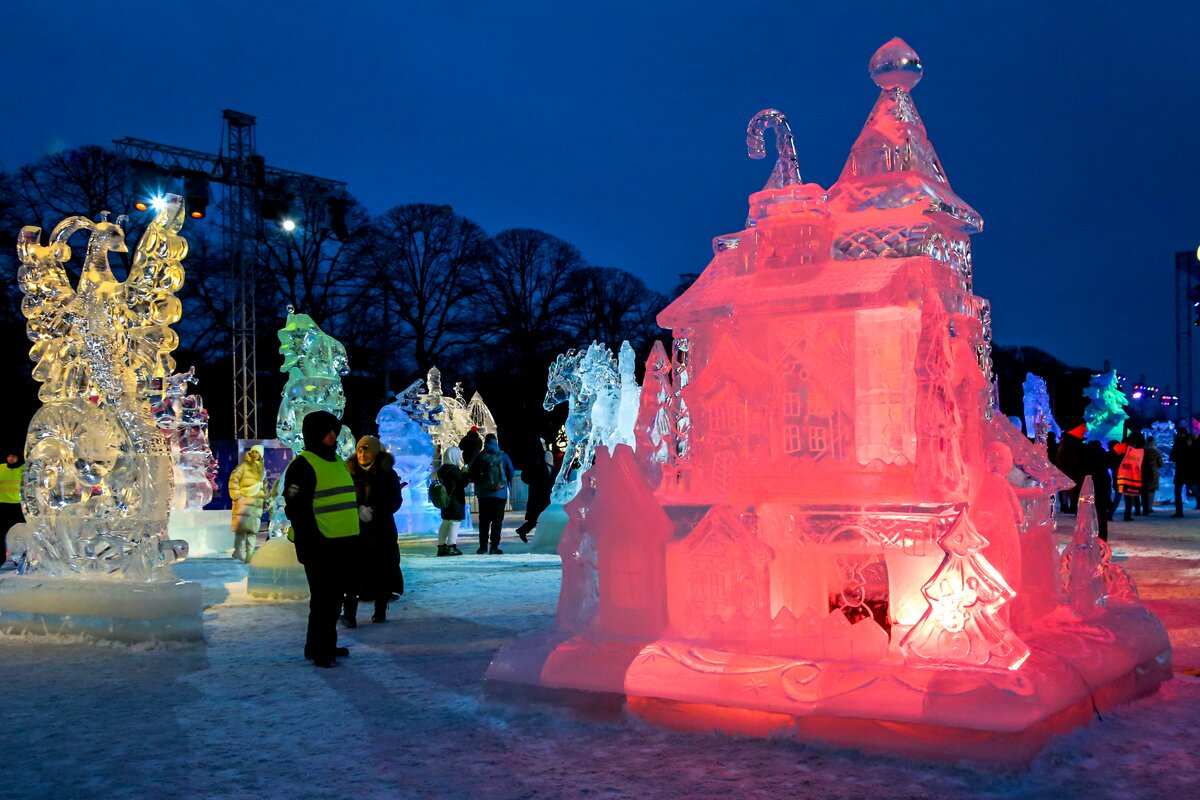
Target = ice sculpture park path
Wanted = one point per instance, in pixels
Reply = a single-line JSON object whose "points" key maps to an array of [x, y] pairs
{"points": [[242, 715]]}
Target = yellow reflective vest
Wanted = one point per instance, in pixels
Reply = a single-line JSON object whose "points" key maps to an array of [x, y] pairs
{"points": [[334, 503], [10, 483]]}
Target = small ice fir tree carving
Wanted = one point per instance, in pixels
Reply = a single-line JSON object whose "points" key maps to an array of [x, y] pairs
{"points": [[1105, 415], [962, 627]]}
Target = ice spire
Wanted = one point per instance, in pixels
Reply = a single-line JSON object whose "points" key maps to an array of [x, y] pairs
{"points": [[894, 140]]}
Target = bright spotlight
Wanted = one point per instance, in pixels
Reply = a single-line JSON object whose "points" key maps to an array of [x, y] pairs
{"points": [[288, 225], [158, 203]]}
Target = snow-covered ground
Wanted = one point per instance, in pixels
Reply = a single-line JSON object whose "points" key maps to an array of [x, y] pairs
{"points": [[407, 715]]}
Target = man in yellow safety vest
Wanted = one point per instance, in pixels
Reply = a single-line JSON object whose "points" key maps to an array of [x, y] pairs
{"points": [[318, 495]]}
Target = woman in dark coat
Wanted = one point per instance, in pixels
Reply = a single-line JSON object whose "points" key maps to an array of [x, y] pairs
{"points": [[377, 489], [454, 477]]}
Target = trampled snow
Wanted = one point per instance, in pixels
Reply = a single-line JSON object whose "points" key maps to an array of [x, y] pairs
{"points": [[407, 714]]}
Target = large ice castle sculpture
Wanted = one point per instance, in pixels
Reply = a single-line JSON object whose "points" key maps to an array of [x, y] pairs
{"points": [[98, 483], [825, 532]]}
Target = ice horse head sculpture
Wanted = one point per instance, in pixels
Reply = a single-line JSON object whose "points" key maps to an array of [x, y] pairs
{"points": [[602, 398], [826, 532], [98, 482]]}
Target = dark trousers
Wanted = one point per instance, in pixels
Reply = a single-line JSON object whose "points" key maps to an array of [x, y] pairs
{"points": [[491, 517], [326, 587], [1133, 504]]}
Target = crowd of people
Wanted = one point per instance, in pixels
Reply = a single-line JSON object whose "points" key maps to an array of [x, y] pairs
{"points": [[342, 522], [1128, 470]]}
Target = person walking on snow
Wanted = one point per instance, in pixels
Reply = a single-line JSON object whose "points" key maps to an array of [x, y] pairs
{"points": [[319, 499], [491, 472]]}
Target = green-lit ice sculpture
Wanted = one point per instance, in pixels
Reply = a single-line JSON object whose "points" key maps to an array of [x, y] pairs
{"points": [[315, 363]]}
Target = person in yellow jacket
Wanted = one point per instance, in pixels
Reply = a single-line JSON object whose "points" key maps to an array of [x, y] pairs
{"points": [[248, 492], [10, 499], [318, 497]]}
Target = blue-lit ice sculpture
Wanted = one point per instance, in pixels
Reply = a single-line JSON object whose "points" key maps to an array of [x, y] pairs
{"points": [[1039, 419], [602, 400], [411, 446]]}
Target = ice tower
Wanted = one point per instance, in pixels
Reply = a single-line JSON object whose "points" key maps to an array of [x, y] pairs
{"points": [[825, 531]]}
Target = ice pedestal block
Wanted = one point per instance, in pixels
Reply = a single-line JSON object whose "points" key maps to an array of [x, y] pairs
{"points": [[549, 529], [207, 533], [275, 574], [826, 531], [112, 610]]}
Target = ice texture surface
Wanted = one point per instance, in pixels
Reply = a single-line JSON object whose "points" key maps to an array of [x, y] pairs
{"points": [[1039, 419], [602, 398], [411, 446], [825, 527], [98, 484], [183, 420]]}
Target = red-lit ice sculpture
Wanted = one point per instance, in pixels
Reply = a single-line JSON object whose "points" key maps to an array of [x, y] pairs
{"points": [[825, 532]]}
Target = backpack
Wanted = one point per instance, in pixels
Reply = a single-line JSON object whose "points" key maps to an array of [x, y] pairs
{"points": [[489, 473], [438, 494]]}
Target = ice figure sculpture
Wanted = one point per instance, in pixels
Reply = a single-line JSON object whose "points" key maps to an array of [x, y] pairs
{"points": [[1105, 414], [451, 416], [183, 420], [97, 485], [825, 531], [1163, 434], [98, 481], [315, 363], [602, 398], [1039, 420], [411, 446]]}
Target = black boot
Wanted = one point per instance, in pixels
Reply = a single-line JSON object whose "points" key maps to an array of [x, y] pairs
{"points": [[453, 550], [380, 614], [443, 550]]}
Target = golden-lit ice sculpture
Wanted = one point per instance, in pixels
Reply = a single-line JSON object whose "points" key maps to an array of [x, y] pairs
{"points": [[98, 481]]}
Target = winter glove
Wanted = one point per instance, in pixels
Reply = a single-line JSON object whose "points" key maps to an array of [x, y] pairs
{"points": [[365, 514]]}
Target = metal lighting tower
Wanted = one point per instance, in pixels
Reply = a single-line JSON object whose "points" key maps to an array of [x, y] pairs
{"points": [[244, 176], [1187, 283]]}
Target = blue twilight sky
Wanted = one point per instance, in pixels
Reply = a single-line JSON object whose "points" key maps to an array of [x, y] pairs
{"points": [[620, 126]]}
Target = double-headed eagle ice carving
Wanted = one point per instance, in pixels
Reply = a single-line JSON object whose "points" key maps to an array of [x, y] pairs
{"points": [[98, 482]]}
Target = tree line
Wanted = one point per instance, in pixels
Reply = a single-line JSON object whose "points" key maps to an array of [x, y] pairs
{"points": [[416, 286]]}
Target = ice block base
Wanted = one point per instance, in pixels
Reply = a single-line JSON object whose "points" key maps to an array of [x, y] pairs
{"points": [[112, 610]]}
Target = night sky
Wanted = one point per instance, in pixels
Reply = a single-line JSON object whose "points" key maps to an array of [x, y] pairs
{"points": [[1072, 127]]}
